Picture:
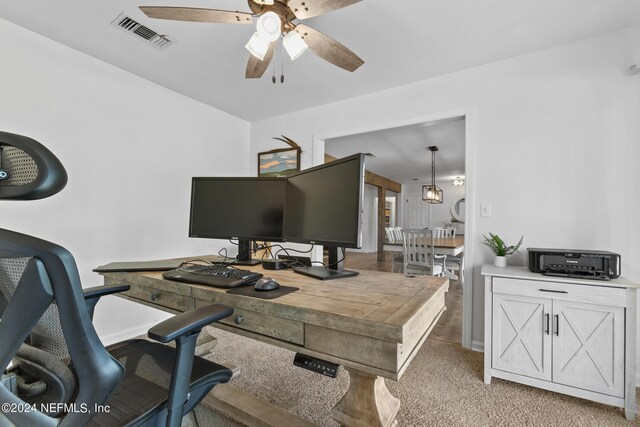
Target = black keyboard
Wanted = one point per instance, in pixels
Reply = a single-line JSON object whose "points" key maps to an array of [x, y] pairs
{"points": [[216, 275]]}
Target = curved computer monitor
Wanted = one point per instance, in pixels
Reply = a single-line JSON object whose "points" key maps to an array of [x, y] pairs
{"points": [[246, 209], [324, 206]]}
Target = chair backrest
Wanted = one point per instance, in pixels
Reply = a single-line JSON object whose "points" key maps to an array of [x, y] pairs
{"points": [[28, 170], [397, 234], [393, 234], [418, 248], [42, 302], [389, 234], [444, 233]]}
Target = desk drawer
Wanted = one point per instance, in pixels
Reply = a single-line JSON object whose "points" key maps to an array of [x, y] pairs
{"points": [[264, 324], [561, 291], [162, 298]]}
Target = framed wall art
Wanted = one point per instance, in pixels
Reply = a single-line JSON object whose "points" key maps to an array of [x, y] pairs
{"points": [[280, 162]]}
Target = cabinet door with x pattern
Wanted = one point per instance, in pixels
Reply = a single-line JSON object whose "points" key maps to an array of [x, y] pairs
{"points": [[521, 335], [588, 346]]}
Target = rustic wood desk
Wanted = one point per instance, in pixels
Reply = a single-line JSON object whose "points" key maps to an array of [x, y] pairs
{"points": [[372, 324]]}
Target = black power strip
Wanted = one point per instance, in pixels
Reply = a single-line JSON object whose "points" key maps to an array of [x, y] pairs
{"points": [[304, 260], [318, 366]]}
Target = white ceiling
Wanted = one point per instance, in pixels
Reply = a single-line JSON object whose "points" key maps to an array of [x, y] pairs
{"points": [[400, 41], [401, 153]]}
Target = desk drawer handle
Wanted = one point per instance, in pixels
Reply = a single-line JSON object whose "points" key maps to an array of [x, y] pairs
{"points": [[238, 319], [155, 296], [555, 292]]}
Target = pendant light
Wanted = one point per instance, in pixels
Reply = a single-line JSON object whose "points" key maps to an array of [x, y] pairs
{"points": [[294, 44], [432, 193]]}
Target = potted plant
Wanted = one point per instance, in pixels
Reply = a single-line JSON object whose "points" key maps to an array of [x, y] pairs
{"points": [[500, 249]]}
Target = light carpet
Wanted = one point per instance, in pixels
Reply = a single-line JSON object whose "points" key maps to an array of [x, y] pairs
{"points": [[442, 387]]}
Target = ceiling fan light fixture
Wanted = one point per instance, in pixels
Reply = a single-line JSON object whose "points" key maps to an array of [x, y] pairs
{"points": [[257, 46], [269, 26], [294, 45]]}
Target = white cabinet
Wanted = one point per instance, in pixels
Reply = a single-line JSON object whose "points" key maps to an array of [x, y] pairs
{"points": [[572, 336], [521, 342], [588, 347]]}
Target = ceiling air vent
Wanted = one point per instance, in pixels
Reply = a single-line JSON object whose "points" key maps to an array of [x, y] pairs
{"points": [[128, 24]]}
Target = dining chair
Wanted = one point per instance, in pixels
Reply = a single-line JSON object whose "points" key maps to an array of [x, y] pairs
{"points": [[419, 255], [388, 234], [455, 264], [444, 233]]}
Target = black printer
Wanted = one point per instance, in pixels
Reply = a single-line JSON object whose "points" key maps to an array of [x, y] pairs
{"points": [[583, 264]]}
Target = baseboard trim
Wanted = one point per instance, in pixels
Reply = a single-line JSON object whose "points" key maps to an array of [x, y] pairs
{"points": [[477, 346], [126, 334]]}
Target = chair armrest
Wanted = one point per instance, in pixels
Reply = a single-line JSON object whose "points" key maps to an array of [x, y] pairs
{"points": [[100, 291], [188, 322], [93, 295]]}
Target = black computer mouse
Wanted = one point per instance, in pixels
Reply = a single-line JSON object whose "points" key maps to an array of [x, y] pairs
{"points": [[266, 284]]}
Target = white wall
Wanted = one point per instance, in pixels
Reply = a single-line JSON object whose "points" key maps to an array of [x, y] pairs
{"points": [[130, 148], [369, 220], [556, 144]]}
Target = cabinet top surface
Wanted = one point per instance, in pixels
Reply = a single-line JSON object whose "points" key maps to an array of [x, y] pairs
{"points": [[525, 273]]}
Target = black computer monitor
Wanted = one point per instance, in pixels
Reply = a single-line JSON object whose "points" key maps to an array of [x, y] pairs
{"points": [[323, 207], [246, 209]]}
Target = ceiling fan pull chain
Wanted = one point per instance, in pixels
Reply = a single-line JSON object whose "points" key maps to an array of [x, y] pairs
{"points": [[273, 78], [282, 66]]}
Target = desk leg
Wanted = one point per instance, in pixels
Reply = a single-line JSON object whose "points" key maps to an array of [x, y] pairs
{"points": [[366, 403]]}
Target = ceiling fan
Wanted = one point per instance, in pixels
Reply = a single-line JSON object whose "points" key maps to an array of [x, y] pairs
{"points": [[275, 20]]}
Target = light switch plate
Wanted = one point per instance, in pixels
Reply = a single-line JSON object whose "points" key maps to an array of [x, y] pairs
{"points": [[485, 209]]}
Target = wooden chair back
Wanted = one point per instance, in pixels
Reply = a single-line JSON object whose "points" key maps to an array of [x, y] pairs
{"points": [[419, 251]]}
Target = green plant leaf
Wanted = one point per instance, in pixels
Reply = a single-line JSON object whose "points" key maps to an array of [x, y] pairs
{"points": [[498, 247]]}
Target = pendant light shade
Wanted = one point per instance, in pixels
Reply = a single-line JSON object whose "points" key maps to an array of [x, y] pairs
{"points": [[257, 46], [269, 26], [294, 45], [432, 193]]}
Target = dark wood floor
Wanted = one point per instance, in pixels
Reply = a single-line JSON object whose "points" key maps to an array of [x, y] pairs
{"points": [[449, 327]]}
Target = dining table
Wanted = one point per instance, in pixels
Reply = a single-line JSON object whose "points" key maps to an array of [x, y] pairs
{"points": [[452, 246]]}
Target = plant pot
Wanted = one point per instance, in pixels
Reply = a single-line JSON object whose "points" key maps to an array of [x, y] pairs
{"points": [[500, 261]]}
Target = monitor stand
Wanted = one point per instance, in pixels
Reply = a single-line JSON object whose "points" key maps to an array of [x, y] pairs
{"points": [[324, 273], [244, 254]]}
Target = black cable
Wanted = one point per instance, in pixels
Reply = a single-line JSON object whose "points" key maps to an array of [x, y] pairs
{"points": [[194, 261], [224, 261], [287, 250], [344, 255]]}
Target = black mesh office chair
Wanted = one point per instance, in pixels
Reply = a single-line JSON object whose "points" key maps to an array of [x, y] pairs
{"points": [[46, 329]]}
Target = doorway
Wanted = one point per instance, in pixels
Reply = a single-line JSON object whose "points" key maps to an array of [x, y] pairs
{"points": [[451, 132]]}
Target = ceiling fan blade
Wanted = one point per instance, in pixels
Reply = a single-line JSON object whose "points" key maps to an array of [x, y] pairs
{"points": [[193, 14], [304, 9], [255, 67], [329, 49]]}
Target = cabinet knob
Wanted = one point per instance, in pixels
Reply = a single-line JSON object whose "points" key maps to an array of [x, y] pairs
{"points": [[155, 296], [238, 319]]}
